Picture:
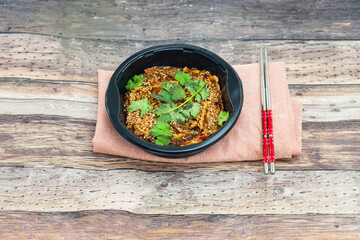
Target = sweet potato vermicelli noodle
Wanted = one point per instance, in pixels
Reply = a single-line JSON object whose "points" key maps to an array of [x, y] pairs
{"points": [[194, 129]]}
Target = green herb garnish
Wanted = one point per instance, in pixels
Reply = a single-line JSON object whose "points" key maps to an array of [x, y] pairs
{"points": [[173, 108], [193, 85], [170, 92], [161, 131], [191, 109], [223, 116], [162, 96], [134, 82], [169, 110], [143, 105], [182, 78], [197, 87]]}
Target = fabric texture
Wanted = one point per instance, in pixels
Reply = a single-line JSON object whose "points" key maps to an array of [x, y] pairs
{"points": [[242, 143]]}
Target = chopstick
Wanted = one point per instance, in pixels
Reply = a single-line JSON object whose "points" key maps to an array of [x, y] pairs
{"points": [[264, 114], [269, 115], [268, 132]]}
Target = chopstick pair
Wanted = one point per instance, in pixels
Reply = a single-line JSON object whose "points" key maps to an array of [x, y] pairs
{"points": [[267, 125]]}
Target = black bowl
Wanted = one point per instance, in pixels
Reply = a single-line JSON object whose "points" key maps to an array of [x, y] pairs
{"points": [[175, 55]]}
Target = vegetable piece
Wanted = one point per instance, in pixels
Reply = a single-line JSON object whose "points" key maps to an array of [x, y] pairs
{"points": [[166, 113], [223, 117], [134, 82], [194, 140], [170, 92], [164, 108], [143, 105], [178, 116], [203, 94], [164, 118], [161, 131], [176, 91], [162, 96], [192, 85], [191, 109], [182, 78], [186, 101], [197, 86], [170, 112]]}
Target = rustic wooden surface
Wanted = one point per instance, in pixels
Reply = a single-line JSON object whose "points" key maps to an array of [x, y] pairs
{"points": [[52, 186]]}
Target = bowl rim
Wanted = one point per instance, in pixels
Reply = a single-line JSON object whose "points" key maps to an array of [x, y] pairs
{"points": [[170, 151]]}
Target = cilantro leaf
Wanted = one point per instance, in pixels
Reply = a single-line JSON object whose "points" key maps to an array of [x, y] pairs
{"points": [[163, 140], [191, 109], [166, 113], [194, 86], [178, 116], [134, 82], [164, 108], [161, 131], [170, 92], [166, 85], [203, 94], [223, 116], [164, 117], [182, 78], [143, 105], [177, 92], [162, 96]]}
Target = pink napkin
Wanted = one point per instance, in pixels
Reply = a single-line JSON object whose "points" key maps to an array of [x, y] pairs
{"points": [[242, 143]]}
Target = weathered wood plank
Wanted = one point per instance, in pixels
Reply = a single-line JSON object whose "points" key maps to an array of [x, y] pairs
{"points": [[62, 90], [337, 109], [328, 102], [211, 192], [59, 58], [124, 225], [19, 96], [49, 107], [250, 20], [37, 140]]}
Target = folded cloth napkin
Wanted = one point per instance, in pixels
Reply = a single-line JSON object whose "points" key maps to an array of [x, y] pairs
{"points": [[242, 143]]}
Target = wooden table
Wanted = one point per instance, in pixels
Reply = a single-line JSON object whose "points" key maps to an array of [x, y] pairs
{"points": [[52, 186]]}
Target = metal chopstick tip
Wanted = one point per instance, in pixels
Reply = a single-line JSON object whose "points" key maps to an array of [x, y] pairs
{"points": [[272, 167], [266, 168]]}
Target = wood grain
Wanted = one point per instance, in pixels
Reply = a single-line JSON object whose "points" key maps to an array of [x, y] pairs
{"points": [[52, 88], [328, 103], [63, 59], [52, 186], [211, 192], [120, 225], [20, 96], [138, 20], [40, 140]]}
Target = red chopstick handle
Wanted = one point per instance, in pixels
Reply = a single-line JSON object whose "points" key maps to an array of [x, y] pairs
{"points": [[265, 136], [271, 136]]}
